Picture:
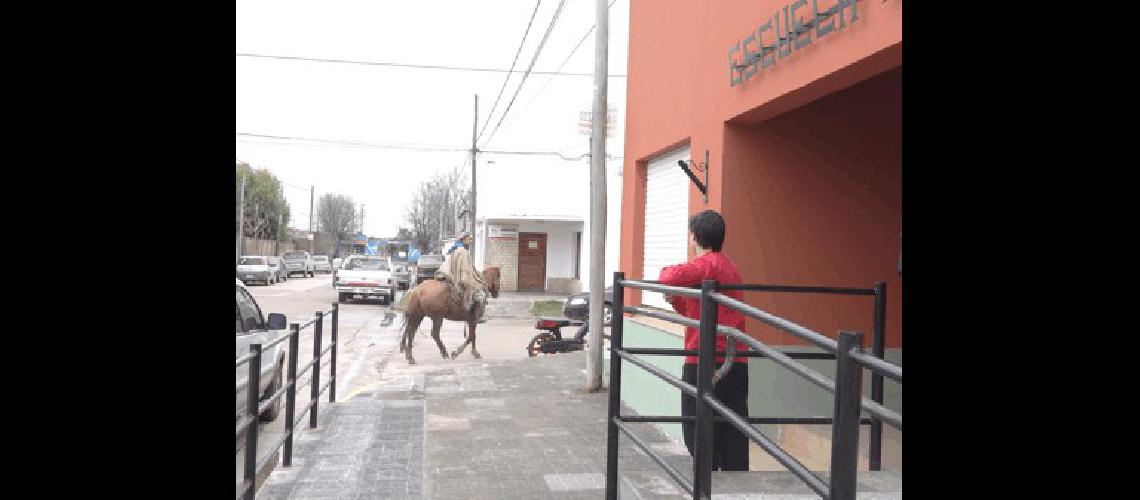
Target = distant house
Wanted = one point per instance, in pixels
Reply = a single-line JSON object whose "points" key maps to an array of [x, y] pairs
{"points": [[533, 222]]}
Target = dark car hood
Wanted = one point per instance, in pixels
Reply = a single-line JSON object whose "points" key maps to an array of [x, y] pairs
{"points": [[609, 294]]}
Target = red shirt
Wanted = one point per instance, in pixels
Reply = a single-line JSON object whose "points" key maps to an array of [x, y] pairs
{"points": [[710, 266]]}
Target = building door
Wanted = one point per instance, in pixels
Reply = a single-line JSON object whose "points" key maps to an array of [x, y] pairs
{"points": [[666, 219], [532, 262]]}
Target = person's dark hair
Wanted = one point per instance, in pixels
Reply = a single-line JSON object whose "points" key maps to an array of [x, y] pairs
{"points": [[708, 229]]}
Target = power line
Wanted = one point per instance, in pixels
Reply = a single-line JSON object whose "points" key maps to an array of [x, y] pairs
{"points": [[560, 66], [405, 146], [309, 141], [537, 52], [508, 78], [406, 65]]}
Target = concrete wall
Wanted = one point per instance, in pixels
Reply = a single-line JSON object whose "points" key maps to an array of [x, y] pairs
{"points": [[504, 253], [253, 246]]}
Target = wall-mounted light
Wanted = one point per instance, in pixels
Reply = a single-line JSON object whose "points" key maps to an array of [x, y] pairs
{"points": [[703, 167]]}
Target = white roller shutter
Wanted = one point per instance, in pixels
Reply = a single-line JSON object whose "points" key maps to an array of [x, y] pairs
{"points": [[666, 219]]}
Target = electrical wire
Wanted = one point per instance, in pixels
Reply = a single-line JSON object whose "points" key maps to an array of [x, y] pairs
{"points": [[407, 65], [560, 66], [308, 141], [508, 78], [537, 52]]}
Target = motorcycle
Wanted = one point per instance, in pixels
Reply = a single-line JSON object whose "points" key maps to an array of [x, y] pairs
{"points": [[549, 339]]}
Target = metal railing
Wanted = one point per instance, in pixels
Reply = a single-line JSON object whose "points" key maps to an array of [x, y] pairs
{"points": [[847, 386], [246, 489]]}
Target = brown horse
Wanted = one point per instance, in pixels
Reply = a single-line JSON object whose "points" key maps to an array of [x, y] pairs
{"points": [[433, 298]]}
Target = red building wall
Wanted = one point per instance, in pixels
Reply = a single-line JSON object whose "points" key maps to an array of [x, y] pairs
{"points": [[814, 197], [679, 91]]}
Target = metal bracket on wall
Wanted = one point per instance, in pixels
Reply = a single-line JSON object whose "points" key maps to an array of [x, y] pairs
{"points": [[703, 167]]}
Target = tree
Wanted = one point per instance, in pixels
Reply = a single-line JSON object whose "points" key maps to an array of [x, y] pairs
{"points": [[264, 204], [432, 210], [336, 215]]}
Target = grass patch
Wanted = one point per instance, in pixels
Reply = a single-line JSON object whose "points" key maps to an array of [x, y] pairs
{"points": [[547, 308]]}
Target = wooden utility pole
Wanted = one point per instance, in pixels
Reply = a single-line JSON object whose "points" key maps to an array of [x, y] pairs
{"points": [[241, 218], [598, 200], [474, 152]]}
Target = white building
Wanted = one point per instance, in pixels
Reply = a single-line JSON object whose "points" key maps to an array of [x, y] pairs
{"points": [[533, 221]]}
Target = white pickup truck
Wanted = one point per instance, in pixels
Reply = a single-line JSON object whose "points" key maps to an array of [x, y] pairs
{"points": [[369, 277]]}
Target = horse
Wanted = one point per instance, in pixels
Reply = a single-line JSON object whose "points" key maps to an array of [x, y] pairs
{"points": [[433, 298]]}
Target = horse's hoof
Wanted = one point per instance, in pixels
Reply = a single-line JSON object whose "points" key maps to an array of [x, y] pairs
{"points": [[453, 355], [477, 355], [411, 361]]}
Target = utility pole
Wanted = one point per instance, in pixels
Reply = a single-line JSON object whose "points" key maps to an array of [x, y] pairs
{"points": [[241, 218], [474, 152], [280, 205], [598, 199], [312, 193]]}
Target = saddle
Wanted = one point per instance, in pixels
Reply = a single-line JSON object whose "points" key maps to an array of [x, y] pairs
{"points": [[479, 296]]}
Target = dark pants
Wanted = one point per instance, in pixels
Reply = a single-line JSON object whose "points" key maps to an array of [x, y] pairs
{"points": [[730, 446]]}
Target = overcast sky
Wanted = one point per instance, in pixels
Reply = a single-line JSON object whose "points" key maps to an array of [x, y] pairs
{"points": [[388, 105]]}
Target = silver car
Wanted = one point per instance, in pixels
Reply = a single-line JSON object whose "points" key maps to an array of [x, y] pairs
{"points": [[321, 263], [255, 268], [298, 261], [401, 274], [252, 328], [278, 267]]}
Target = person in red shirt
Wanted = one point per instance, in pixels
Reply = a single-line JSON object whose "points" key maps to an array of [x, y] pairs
{"points": [[706, 236]]}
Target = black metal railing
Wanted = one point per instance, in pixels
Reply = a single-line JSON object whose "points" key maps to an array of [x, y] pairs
{"points": [[246, 489], [846, 387]]}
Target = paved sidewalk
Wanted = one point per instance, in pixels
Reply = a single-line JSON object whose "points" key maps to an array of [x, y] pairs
{"points": [[494, 429]]}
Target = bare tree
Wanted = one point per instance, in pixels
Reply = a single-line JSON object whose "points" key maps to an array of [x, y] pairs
{"points": [[432, 210], [336, 216]]}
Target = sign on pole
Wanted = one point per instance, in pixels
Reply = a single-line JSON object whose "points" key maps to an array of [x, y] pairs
{"points": [[585, 122]]}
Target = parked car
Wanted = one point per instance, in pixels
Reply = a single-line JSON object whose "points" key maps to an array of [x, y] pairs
{"points": [[278, 267], [255, 268], [336, 263], [252, 328], [426, 267], [401, 274], [321, 263], [578, 306], [367, 276], [299, 262]]}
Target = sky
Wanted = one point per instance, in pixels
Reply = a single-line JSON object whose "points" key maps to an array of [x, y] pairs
{"points": [[424, 107]]}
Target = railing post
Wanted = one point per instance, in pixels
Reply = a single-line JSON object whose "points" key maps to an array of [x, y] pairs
{"points": [[616, 332], [878, 348], [845, 429], [332, 362], [291, 394], [314, 388], [703, 430], [253, 393]]}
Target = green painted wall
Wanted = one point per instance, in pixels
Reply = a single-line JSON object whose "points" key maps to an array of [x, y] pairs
{"points": [[643, 391], [772, 389]]}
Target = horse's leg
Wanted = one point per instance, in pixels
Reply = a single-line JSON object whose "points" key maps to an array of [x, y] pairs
{"points": [[466, 340], [436, 324], [471, 339], [410, 337]]}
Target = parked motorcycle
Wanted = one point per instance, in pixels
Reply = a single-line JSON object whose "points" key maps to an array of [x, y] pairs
{"points": [[549, 339]]}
